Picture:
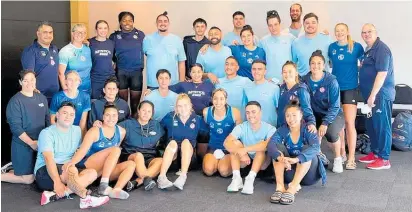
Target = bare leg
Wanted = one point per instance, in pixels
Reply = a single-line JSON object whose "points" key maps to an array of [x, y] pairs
{"points": [[187, 153], [210, 164], [279, 175], [350, 117], [224, 167], [301, 170], [11, 178], [168, 157]]}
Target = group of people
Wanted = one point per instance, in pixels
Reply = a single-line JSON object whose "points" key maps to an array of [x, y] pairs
{"points": [[234, 106]]}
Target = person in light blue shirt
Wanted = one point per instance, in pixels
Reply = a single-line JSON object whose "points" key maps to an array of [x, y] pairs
{"points": [[304, 46], [164, 100], [234, 85], [295, 28], [247, 53], [233, 37], [213, 60], [164, 50], [265, 92], [76, 56], [247, 145], [277, 46]]}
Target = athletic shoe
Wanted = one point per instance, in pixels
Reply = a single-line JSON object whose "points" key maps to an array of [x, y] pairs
{"points": [[337, 165], [6, 168], [50, 196], [235, 185], [180, 181], [163, 182], [92, 201], [131, 185], [148, 183], [379, 164], [248, 187], [368, 158], [178, 173]]}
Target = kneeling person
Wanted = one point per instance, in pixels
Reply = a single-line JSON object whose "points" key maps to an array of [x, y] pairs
{"points": [[247, 146]]}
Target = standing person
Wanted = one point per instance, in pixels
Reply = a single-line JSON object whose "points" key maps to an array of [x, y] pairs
{"points": [[264, 92], [295, 28], [142, 136], [221, 119], [325, 102], [41, 57], [213, 59], [247, 146], [247, 53], [183, 127], [378, 90], [76, 56], [128, 46], [164, 100], [102, 53], [344, 55], [27, 114], [304, 46], [110, 90], [164, 50], [75, 96], [57, 145], [233, 37], [295, 149], [277, 46], [193, 43]]}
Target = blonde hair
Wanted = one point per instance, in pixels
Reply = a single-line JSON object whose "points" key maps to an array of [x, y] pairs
{"points": [[73, 72], [76, 26], [349, 37], [183, 96]]}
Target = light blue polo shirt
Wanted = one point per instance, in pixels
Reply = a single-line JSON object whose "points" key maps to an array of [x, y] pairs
{"points": [[235, 89], [162, 105], [214, 61]]}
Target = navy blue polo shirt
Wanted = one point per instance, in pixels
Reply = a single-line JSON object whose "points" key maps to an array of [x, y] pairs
{"points": [[178, 131], [102, 55], [378, 58], [45, 63], [128, 49]]}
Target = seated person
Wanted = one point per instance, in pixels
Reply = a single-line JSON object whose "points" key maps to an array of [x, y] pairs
{"points": [[247, 146], [294, 148], [110, 90], [79, 98], [57, 145], [142, 136], [183, 127], [221, 119], [27, 114], [100, 151]]}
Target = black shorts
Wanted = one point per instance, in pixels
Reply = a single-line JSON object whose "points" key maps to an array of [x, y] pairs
{"points": [[43, 179], [334, 128], [147, 157], [132, 80], [349, 96], [203, 138]]}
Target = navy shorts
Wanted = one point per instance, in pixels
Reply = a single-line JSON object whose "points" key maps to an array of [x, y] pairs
{"points": [[43, 179], [130, 79], [23, 158]]}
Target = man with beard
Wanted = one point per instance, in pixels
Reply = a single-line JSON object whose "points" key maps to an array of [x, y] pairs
{"points": [[233, 38], [295, 27], [193, 43], [42, 57], [164, 50], [213, 60]]}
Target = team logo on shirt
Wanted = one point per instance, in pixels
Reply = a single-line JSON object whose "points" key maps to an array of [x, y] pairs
{"points": [[341, 56], [101, 144], [52, 61], [227, 125], [175, 123], [219, 130], [54, 51], [41, 105], [135, 36], [334, 52], [250, 60], [192, 126], [292, 97], [119, 37], [79, 104], [43, 53], [82, 58], [322, 89], [152, 133], [400, 125], [243, 54], [121, 111], [194, 120], [211, 125]]}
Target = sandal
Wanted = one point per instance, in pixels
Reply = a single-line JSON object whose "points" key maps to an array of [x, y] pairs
{"points": [[351, 165], [287, 198], [275, 198]]}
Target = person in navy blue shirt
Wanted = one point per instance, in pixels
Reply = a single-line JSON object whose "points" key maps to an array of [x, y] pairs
{"points": [[27, 114], [110, 90], [140, 145], [295, 149], [325, 101], [102, 50], [293, 89], [378, 90], [193, 43], [100, 151], [247, 53], [42, 57], [344, 55], [129, 57], [221, 119], [183, 127]]}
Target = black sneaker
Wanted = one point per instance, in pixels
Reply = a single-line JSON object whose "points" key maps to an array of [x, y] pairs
{"points": [[132, 185], [148, 183]]}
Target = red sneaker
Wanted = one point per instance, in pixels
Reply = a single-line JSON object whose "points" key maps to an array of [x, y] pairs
{"points": [[379, 164], [368, 158]]}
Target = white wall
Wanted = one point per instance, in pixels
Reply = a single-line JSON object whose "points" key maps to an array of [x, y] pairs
{"points": [[392, 19]]}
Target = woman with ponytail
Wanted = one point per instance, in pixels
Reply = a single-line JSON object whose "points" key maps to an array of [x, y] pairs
{"points": [[344, 55]]}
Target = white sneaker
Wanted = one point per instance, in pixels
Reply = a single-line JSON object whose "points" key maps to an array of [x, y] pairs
{"points": [[248, 187], [6, 168], [47, 197], [92, 201], [337, 165], [163, 182], [180, 182], [235, 185]]}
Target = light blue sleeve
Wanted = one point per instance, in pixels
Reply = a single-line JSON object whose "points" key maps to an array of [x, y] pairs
{"points": [[200, 59], [64, 56], [276, 96], [45, 141], [238, 132], [54, 105], [180, 50], [87, 105], [294, 51], [146, 45], [271, 131]]}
